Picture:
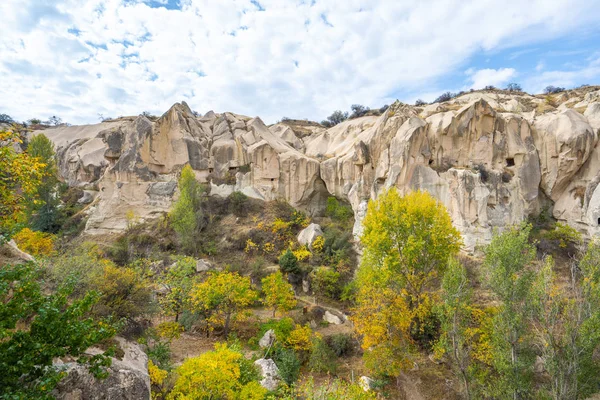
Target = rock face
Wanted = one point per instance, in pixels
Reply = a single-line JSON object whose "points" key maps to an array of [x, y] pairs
{"points": [[128, 379], [269, 373], [492, 158]]}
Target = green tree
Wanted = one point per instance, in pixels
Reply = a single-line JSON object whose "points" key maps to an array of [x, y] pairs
{"points": [[178, 281], [456, 318], [186, 216], [510, 278], [407, 242], [35, 328], [223, 297], [42, 210], [325, 282], [289, 263], [568, 327], [279, 294]]}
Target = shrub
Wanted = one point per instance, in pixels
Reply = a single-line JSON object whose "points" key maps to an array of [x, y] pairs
{"points": [[358, 110], [553, 89], [340, 344], [288, 363], [332, 390], [289, 263], [565, 234], [221, 373], [338, 211], [325, 282], [125, 293], [336, 117], [420, 103], [445, 97], [513, 87], [282, 328], [35, 243], [322, 358], [300, 339], [6, 119]]}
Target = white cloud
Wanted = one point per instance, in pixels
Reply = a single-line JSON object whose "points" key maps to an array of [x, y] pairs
{"points": [[491, 77], [588, 73], [78, 58]]}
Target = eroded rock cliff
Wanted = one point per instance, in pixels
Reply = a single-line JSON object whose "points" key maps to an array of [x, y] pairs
{"points": [[492, 158]]}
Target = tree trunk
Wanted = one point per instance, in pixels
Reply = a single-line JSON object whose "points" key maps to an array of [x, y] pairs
{"points": [[227, 320]]}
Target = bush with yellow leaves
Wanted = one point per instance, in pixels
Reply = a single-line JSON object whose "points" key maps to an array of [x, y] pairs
{"points": [[220, 374], [35, 243], [301, 338], [157, 381]]}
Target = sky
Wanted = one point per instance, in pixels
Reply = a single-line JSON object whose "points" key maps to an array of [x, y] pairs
{"points": [[84, 59]]}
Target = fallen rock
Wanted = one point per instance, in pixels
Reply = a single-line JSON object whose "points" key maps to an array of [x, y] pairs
{"points": [[308, 235], [366, 383], [332, 318], [128, 378], [267, 339], [269, 372]]}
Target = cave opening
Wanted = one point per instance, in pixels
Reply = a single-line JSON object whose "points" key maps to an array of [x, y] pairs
{"points": [[510, 162]]}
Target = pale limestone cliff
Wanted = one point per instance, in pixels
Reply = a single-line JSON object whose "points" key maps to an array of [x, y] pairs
{"points": [[491, 158]]}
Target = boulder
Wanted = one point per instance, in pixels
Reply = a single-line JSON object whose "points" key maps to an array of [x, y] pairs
{"points": [[128, 378], [307, 236], [11, 254], [366, 383], [332, 318], [267, 339], [269, 373], [203, 265]]}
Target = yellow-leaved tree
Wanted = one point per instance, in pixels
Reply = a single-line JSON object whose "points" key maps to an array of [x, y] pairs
{"points": [[279, 294], [20, 175], [222, 298], [407, 242]]}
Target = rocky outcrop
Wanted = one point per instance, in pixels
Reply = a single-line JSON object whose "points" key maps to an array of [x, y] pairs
{"points": [[491, 158], [128, 378], [11, 254], [269, 373], [309, 234]]}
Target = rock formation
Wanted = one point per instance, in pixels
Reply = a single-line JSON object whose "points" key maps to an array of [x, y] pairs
{"points": [[492, 158], [128, 378]]}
